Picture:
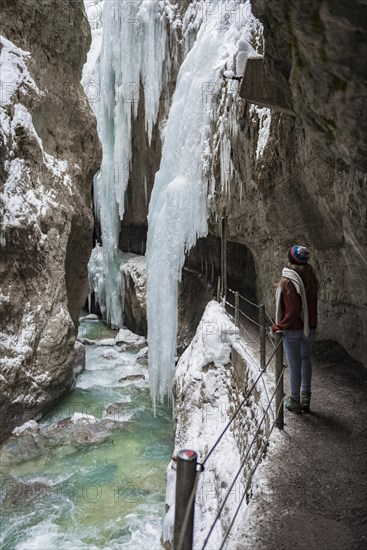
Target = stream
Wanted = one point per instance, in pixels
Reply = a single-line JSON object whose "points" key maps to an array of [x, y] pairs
{"points": [[99, 479]]}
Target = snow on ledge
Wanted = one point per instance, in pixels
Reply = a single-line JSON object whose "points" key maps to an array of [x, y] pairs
{"points": [[24, 198], [206, 396], [14, 71]]}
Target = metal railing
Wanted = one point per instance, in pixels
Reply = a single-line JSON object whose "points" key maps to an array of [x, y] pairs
{"points": [[186, 484]]}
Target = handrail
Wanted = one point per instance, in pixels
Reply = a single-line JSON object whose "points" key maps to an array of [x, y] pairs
{"points": [[244, 314], [253, 470], [269, 318], [193, 493], [242, 297], [241, 405], [277, 418], [241, 465]]}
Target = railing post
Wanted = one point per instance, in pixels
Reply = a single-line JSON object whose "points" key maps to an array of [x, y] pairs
{"points": [[224, 256], [218, 289], [262, 336], [185, 481], [237, 308], [279, 380]]}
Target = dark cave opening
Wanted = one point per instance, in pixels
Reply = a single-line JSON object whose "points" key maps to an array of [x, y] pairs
{"points": [[205, 258]]}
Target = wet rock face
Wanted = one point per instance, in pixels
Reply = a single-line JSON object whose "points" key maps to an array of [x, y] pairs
{"points": [[194, 294], [135, 289], [317, 166], [302, 189], [321, 48], [49, 151]]}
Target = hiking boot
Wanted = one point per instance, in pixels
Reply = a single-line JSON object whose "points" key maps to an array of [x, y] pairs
{"points": [[305, 402], [293, 405]]}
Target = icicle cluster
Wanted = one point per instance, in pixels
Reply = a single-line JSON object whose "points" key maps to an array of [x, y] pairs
{"points": [[225, 126], [127, 52], [178, 206]]}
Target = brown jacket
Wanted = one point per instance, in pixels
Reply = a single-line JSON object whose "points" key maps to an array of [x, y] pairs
{"points": [[292, 306]]}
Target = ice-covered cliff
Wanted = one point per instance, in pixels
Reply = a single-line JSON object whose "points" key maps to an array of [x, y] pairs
{"points": [[178, 137], [161, 88], [49, 153]]}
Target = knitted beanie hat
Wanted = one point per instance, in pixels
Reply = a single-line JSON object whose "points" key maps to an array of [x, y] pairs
{"points": [[298, 255]]}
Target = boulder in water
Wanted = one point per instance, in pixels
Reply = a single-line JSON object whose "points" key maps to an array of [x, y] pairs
{"points": [[131, 374], [19, 493]]}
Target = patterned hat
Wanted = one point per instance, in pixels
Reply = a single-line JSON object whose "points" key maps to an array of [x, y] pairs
{"points": [[298, 255]]}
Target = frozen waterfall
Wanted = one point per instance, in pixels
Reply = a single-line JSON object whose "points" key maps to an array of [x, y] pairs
{"points": [[178, 206], [134, 48], [127, 52]]}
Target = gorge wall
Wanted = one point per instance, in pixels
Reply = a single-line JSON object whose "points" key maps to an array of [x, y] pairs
{"points": [[277, 179], [309, 185], [306, 183], [49, 153]]}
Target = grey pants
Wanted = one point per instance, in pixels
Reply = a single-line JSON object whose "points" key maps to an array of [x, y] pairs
{"points": [[298, 348]]}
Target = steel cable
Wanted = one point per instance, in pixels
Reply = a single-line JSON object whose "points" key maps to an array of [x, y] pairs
{"points": [[243, 462]]}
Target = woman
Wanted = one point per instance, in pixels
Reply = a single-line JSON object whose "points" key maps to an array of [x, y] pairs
{"points": [[296, 316]]}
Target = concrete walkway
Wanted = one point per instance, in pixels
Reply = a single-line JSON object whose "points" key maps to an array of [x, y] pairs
{"points": [[315, 494]]}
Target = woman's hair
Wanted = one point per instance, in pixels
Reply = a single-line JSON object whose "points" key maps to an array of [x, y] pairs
{"points": [[307, 274]]}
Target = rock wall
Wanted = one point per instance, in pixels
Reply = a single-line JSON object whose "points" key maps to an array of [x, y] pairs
{"points": [[49, 152], [308, 185], [320, 49], [292, 196]]}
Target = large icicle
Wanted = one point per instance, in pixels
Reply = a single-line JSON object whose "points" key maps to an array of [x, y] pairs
{"points": [[178, 212], [129, 51]]}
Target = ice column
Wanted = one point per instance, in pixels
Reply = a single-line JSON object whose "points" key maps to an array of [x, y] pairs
{"points": [[178, 211], [126, 53]]}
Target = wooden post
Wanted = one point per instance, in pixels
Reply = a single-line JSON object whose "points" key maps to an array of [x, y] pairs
{"points": [[279, 381], [237, 308], [185, 481], [218, 289], [224, 256], [262, 336]]}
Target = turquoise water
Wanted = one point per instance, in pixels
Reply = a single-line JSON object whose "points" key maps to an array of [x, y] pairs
{"points": [[108, 495]]}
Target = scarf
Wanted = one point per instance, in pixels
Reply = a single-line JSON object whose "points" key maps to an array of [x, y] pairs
{"points": [[300, 288]]}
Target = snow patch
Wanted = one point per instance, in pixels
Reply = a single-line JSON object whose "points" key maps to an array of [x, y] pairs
{"points": [[30, 425], [14, 72], [82, 417], [264, 116], [125, 336]]}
